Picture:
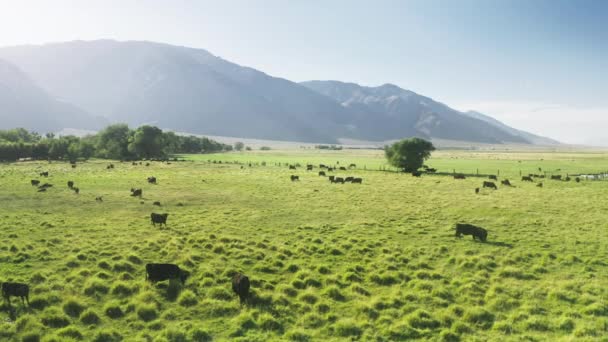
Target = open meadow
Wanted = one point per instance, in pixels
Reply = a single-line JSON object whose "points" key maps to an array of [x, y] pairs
{"points": [[376, 261]]}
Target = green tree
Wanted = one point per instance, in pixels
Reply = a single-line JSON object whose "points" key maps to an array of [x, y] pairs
{"points": [[239, 146], [147, 142], [113, 142], [409, 154]]}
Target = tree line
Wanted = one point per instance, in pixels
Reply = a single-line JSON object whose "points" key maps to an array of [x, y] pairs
{"points": [[114, 142]]}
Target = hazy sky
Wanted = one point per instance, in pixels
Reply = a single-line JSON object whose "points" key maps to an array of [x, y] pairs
{"points": [[536, 65]]}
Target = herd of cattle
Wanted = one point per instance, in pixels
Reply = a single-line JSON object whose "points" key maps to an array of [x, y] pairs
{"points": [[332, 178]]}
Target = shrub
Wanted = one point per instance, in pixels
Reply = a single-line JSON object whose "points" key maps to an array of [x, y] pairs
{"points": [[334, 293], [54, 318], [298, 336], [347, 327], [220, 293], [113, 310], [90, 317], [200, 335], [95, 287], [73, 308], [70, 332], [480, 317], [107, 336], [147, 312], [122, 289], [187, 298], [421, 319], [267, 322], [174, 335], [30, 337]]}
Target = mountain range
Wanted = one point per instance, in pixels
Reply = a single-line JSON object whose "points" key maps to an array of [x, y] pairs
{"points": [[86, 84]]}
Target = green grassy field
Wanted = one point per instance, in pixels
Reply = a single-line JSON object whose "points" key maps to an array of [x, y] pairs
{"points": [[328, 262]]}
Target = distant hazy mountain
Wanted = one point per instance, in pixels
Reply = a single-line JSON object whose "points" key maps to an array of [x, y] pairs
{"points": [[191, 90], [24, 104], [179, 88], [389, 112]]}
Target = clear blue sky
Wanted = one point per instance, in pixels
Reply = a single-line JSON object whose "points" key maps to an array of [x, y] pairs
{"points": [[538, 65]]}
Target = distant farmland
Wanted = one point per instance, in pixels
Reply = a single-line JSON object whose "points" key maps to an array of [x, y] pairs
{"points": [[376, 261]]}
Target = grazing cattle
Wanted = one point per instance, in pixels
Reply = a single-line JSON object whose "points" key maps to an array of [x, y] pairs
{"points": [[556, 177], [159, 218], [308, 167], [136, 192], [41, 189], [540, 185], [527, 179], [416, 173], [157, 203], [505, 182], [35, 182], [147, 164], [357, 181], [348, 179], [567, 179], [161, 272], [431, 170], [73, 166], [352, 165], [292, 167], [240, 286], [16, 290], [152, 180], [321, 173], [294, 178], [70, 184], [44, 174], [342, 168], [99, 199], [490, 185], [331, 178], [322, 166], [76, 190], [45, 185], [476, 190], [111, 166], [577, 179], [469, 229], [459, 176], [492, 177], [339, 180]]}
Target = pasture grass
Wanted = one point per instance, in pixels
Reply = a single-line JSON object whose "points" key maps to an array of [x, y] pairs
{"points": [[375, 261]]}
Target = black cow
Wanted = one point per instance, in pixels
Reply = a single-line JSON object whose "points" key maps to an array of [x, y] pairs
{"points": [[342, 168], [352, 165], [349, 179], [357, 181], [45, 186], [556, 177], [16, 290], [35, 182], [157, 203], [136, 192], [416, 173], [240, 286], [44, 174], [308, 167], [459, 176], [505, 182], [476, 190], [540, 185], [70, 184], [431, 170], [76, 190], [111, 166], [577, 179], [527, 179], [322, 173], [292, 167], [99, 199], [294, 178], [490, 185], [161, 272], [331, 178], [567, 179], [152, 180], [469, 229], [159, 218], [493, 177], [338, 180]]}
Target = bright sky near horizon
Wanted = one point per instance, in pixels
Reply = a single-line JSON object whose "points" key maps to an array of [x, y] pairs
{"points": [[540, 65]]}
